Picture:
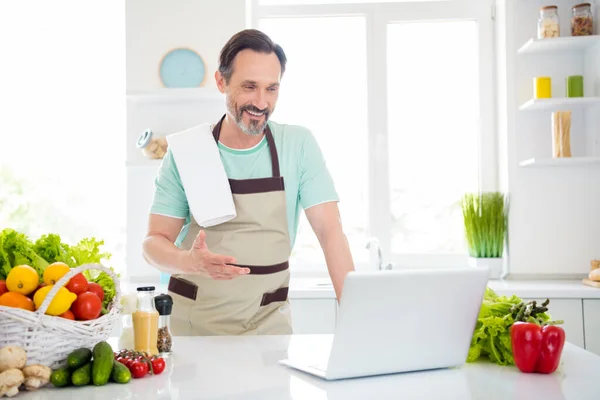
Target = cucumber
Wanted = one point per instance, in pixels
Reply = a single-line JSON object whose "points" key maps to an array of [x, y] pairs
{"points": [[82, 376], [102, 364], [120, 373], [78, 358], [61, 377]]}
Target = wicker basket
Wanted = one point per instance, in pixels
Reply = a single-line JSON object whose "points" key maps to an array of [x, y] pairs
{"points": [[48, 339]]}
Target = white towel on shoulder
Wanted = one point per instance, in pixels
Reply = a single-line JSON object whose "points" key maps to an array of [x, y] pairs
{"points": [[203, 176]]}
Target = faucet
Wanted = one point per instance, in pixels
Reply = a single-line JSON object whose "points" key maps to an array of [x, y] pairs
{"points": [[375, 242]]}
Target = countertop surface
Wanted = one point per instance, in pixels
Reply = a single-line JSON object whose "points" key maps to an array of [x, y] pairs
{"points": [[321, 288], [244, 367]]}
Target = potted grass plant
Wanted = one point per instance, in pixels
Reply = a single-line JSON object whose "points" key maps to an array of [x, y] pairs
{"points": [[486, 223]]}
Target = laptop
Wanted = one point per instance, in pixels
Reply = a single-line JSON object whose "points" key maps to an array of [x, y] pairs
{"points": [[399, 321]]}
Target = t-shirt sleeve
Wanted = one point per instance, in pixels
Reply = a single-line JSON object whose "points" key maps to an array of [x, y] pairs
{"points": [[316, 183], [169, 195]]}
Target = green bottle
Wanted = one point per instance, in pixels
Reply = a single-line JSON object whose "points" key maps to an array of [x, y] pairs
{"points": [[575, 86]]}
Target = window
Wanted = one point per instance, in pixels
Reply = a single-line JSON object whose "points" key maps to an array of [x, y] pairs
{"points": [[326, 92], [432, 161], [63, 121], [409, 86]]}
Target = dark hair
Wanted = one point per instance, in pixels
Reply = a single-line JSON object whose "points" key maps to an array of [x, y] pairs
{"points": [[252, 39]]}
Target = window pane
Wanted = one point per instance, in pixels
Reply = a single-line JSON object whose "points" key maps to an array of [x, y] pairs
{"points": [[433, 117], [64, 121], [325, 91]]}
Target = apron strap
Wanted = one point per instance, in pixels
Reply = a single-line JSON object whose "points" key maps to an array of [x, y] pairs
{"points": [[270, 141]]}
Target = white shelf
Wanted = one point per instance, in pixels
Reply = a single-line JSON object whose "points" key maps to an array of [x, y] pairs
{"points": [[559, 103], [560, 162], [559, 44], [176, 95]]}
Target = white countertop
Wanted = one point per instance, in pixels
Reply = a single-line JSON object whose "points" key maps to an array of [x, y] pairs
{"points": [[245, 367], [555, 289], [321, 288]]}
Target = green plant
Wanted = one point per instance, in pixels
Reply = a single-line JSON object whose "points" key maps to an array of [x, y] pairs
{"points": [[486, 220]]}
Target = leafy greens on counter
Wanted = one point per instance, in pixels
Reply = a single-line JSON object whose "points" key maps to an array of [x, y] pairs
{"points": [[497, 314]]}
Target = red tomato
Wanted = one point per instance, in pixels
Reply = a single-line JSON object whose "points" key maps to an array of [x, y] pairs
{"points": [[138, 369], [87, 306], [3, 288], [77, 284], [95, 288], [68, 315], [158, 365]]}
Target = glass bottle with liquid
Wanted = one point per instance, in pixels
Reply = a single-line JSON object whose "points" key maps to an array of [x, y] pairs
{"points": [[145, 321]]}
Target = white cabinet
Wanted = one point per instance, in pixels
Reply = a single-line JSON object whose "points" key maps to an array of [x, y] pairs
{"points": [[313, 316], [591, 316], [570, 311]]}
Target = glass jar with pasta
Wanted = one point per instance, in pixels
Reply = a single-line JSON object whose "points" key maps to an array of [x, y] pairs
{"points": [[548, 23], [582, 21]]}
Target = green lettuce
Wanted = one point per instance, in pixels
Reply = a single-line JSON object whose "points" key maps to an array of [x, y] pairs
{"points": [[108, 285], [51, 249], [87, 251], [18, 249], [491, 337]]}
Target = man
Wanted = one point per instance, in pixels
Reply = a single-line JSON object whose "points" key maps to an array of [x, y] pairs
{"points": [[232, 278]]}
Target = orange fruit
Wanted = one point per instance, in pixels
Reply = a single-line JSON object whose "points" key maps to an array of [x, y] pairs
{"points": [[16, 300], [22, 279], [68, 315]]}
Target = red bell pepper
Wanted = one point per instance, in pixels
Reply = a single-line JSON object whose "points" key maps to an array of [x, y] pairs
{"points": [[537, 348]]}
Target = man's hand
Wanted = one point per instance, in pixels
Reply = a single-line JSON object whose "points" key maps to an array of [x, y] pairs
{"points": [[203, 262]]}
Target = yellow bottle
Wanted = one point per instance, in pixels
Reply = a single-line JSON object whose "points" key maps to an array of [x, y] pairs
{"points": [[542, 87]]}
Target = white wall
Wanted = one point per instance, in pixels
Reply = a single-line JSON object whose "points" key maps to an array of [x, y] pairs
{"points": [[555, 211], [156, 26], [153, 28]]}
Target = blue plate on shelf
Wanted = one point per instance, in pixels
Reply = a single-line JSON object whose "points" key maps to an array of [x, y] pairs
{"points": [[182, 68]]}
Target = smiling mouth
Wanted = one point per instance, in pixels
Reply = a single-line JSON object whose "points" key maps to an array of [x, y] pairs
{"points": [[255, 114]]}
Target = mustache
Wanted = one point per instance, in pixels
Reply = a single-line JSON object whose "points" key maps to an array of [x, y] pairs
{"points": [[254, 109]]}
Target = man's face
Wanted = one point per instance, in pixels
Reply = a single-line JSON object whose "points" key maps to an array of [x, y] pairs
{"points": [[253, 89]]}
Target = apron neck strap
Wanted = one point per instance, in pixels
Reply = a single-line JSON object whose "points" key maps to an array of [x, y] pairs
{"points": [[270, 141]]}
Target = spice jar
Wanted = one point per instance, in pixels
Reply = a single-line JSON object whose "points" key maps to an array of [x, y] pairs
{"points": [[153, 147], [164, 306], [582, 22], [548, 23]]}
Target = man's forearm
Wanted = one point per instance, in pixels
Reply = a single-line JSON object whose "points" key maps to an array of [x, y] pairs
{"points": [[164, 255], [337, 256]]}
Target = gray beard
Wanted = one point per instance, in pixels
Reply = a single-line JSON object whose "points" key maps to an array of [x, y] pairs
{"points": [[254, 129]]}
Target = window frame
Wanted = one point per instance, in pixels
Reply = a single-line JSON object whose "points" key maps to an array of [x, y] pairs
{"points": [[378, 16]]}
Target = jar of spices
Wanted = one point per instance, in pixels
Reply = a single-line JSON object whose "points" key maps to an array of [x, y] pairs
{"points": [[153, 147], [548, 23], [582, 21], [164, 305]]}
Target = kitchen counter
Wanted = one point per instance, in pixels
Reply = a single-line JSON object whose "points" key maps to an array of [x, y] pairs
{"points": [[555, 289], [321, 288], [245, 367]]}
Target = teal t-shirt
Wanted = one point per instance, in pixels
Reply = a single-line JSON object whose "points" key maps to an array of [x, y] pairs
{"points": [[305, 174]]}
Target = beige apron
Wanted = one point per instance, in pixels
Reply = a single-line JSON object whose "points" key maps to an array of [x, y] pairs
{"points": [[253, 304]]}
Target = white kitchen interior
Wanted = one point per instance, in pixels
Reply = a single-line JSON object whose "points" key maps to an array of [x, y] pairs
{"points": [[413, 102], [552, 234]]}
